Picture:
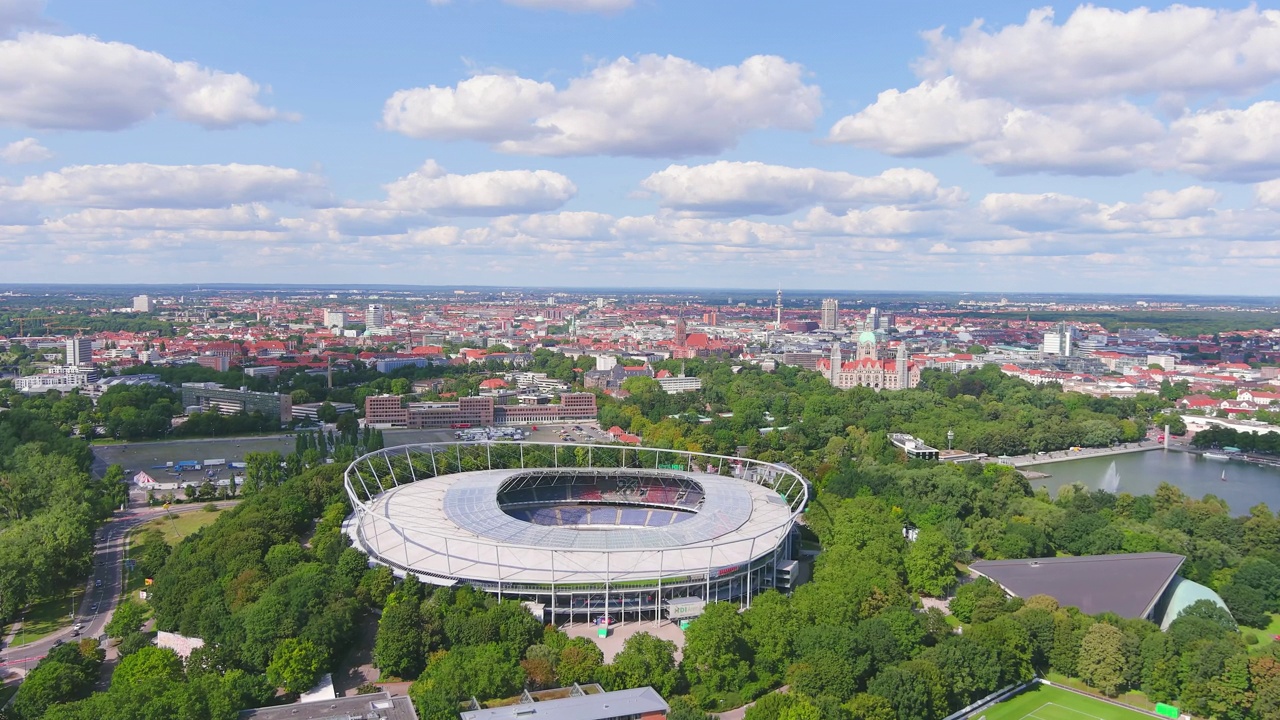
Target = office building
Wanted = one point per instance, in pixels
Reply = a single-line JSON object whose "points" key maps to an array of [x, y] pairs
{"points": [[79, 351], [830, 319], [676, 385], [209, 397], [62, 379], [335, 319], [1059, 341], [474, 412], [221, 363], [375, 317], [143, 304]]}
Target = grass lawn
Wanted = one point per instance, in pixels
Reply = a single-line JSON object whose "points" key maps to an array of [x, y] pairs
{"points": [[1044, 702], [177, 527], [1265, 637], [48, 616]]}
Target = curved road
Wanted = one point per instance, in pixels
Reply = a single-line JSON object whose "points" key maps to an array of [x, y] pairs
{"points": [[102, 592]]}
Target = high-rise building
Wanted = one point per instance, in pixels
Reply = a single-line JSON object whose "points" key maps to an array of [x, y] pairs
{"points": [[79, 351], [375, 317], [873, 319], [778, 325], [1059, 341], [830, 315], [143, 304], [335, 318]]}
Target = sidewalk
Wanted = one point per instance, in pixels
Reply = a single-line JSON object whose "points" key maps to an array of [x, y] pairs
{"points": [[1066, 455]]}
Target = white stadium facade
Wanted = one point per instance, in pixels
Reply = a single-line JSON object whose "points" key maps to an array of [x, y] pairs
{"points": [[580, 531]]}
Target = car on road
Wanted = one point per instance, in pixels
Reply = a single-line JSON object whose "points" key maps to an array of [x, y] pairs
{"points": [[93, 608], [97, 583]]}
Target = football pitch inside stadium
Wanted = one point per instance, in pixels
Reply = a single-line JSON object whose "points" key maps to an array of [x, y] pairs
{"points": [[1044, 702]]}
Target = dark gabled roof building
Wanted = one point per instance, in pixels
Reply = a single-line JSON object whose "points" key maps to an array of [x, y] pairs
{"points": [[1130, 585]]}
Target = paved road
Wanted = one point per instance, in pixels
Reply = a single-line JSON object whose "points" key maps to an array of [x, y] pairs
{"points": [[103, 588]]}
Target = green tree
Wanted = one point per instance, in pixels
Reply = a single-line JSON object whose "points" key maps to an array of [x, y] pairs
{"points": [[1247, 604], [646, 660], [127, 618], [715, 654], [929, 565], [580, 662], [865, 706], [295, 665], [1101, 663], [398, 649]]}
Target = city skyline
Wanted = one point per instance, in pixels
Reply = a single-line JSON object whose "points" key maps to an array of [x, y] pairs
{"points": [[643, 144]]}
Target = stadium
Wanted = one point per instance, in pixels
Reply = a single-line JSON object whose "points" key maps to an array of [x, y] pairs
{"points": [[580, 531]]}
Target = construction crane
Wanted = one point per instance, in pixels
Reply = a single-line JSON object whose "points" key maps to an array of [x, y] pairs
{"points": [[33, 320]]}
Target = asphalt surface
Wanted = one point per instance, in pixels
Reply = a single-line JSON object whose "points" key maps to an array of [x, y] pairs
{"points": [[102, 590]]}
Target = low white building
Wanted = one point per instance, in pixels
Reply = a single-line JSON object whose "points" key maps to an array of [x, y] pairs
{"points": [[62, 379], [674, 385]]}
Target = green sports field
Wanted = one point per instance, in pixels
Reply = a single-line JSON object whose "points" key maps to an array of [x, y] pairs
{"points": [[1050, 703]]}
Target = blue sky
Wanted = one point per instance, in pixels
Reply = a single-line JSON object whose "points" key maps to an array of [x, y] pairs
{"points": [[829, 145]]}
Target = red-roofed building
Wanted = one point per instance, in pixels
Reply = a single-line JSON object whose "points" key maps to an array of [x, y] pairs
{"points": [[493, 384], [1198, 402]]}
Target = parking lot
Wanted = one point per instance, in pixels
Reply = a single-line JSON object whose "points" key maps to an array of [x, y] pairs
{"points": [[135, 457]]}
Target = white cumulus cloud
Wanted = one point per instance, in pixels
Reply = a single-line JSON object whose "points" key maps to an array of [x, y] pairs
{"points": [[82, 83], [1086, 96], [1230, 144], [929, 119], [757, 188], [1101, 52], [143, 185], [1044, 211], [26, 150], [498, 192], [1268, 194], [652, 106]]}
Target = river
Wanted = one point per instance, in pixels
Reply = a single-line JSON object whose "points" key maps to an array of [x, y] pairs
{"points": [[1140, 473]]}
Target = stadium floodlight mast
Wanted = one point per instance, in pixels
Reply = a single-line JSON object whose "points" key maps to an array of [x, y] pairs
{"points": [[599, 529]]}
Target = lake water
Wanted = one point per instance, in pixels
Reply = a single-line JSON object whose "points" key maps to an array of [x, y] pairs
{"points": [[1140, 473]]}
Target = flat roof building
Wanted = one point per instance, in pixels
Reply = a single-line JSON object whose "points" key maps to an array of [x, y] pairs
{"points": [[377, 706], [635, 704], [227, 401]]}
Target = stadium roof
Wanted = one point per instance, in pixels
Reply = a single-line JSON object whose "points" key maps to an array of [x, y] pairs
{"points": [[472, 503], [1127, 585], [450, 527]]}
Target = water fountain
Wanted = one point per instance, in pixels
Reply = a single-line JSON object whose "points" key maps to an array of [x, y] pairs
{"points": [[1111, 481]]}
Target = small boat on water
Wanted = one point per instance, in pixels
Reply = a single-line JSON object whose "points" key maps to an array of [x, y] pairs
{"points": [[1224, 476], [1215, 456]]}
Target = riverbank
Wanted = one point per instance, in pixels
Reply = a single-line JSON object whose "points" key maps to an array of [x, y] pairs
{"points": [[1020, 461]]}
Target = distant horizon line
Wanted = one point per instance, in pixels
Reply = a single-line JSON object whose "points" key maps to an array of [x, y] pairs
{"points": [[201, 287]]}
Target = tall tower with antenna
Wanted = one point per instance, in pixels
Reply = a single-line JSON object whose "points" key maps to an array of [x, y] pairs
{"points": [[778, 323]]}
